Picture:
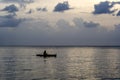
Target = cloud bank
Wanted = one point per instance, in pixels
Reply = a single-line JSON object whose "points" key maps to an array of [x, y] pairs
{"points": [[40, 32]]}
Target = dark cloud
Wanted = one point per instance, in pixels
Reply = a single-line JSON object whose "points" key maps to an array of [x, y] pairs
{"points": [[30, 11], [9, 21], [18, 1], [11, 8], [37, 9], [60, 7], [118, 14], [103, 8], [114, 3], [91, 24], [22, 3], [42, 9]]}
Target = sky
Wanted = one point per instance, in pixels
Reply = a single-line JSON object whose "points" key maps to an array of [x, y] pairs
{"points": [[60, 22]]}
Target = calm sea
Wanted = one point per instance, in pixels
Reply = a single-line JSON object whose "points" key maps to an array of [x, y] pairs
{"points": [[71, 63]]}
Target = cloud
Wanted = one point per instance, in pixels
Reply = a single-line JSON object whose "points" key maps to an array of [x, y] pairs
{"points": [[40, 32], [42, 9], [18, 1], [118, 14], [30, 11], [9, 21], [60, 7], [117, 27], [103, 8], [86, 33], [106, 8], [37, 9], [91, 24], [114, 3], [11, 8], [22, 3]]}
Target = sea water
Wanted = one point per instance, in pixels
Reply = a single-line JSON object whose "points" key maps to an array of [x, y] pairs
{"points": [[71, 63]]}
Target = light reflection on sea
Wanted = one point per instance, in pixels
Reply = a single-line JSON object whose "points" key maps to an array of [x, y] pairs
{"points": [[71, 63]]}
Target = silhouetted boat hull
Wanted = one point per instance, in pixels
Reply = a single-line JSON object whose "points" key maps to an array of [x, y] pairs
{"points": [[48, 55]]}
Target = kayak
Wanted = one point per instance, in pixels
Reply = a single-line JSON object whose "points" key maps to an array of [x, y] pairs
{"points": [[48, 55]]}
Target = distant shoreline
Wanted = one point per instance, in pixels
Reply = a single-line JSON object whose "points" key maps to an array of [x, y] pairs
{"points": [[59, 45]]}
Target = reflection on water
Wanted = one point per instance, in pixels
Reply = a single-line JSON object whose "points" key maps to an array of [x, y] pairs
{"points": [[72, 63]]}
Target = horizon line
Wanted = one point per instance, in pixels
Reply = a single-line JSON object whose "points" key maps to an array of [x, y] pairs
{"points": [[59, 45]]}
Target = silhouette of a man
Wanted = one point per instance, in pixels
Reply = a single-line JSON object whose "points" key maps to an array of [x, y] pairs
{"points": [[45, 53]]}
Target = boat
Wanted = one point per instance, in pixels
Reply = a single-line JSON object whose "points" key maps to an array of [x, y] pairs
{"points": [[48, 55]]}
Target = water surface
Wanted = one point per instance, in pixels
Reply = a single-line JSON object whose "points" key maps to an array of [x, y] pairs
{"points": [[71, 63]]}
